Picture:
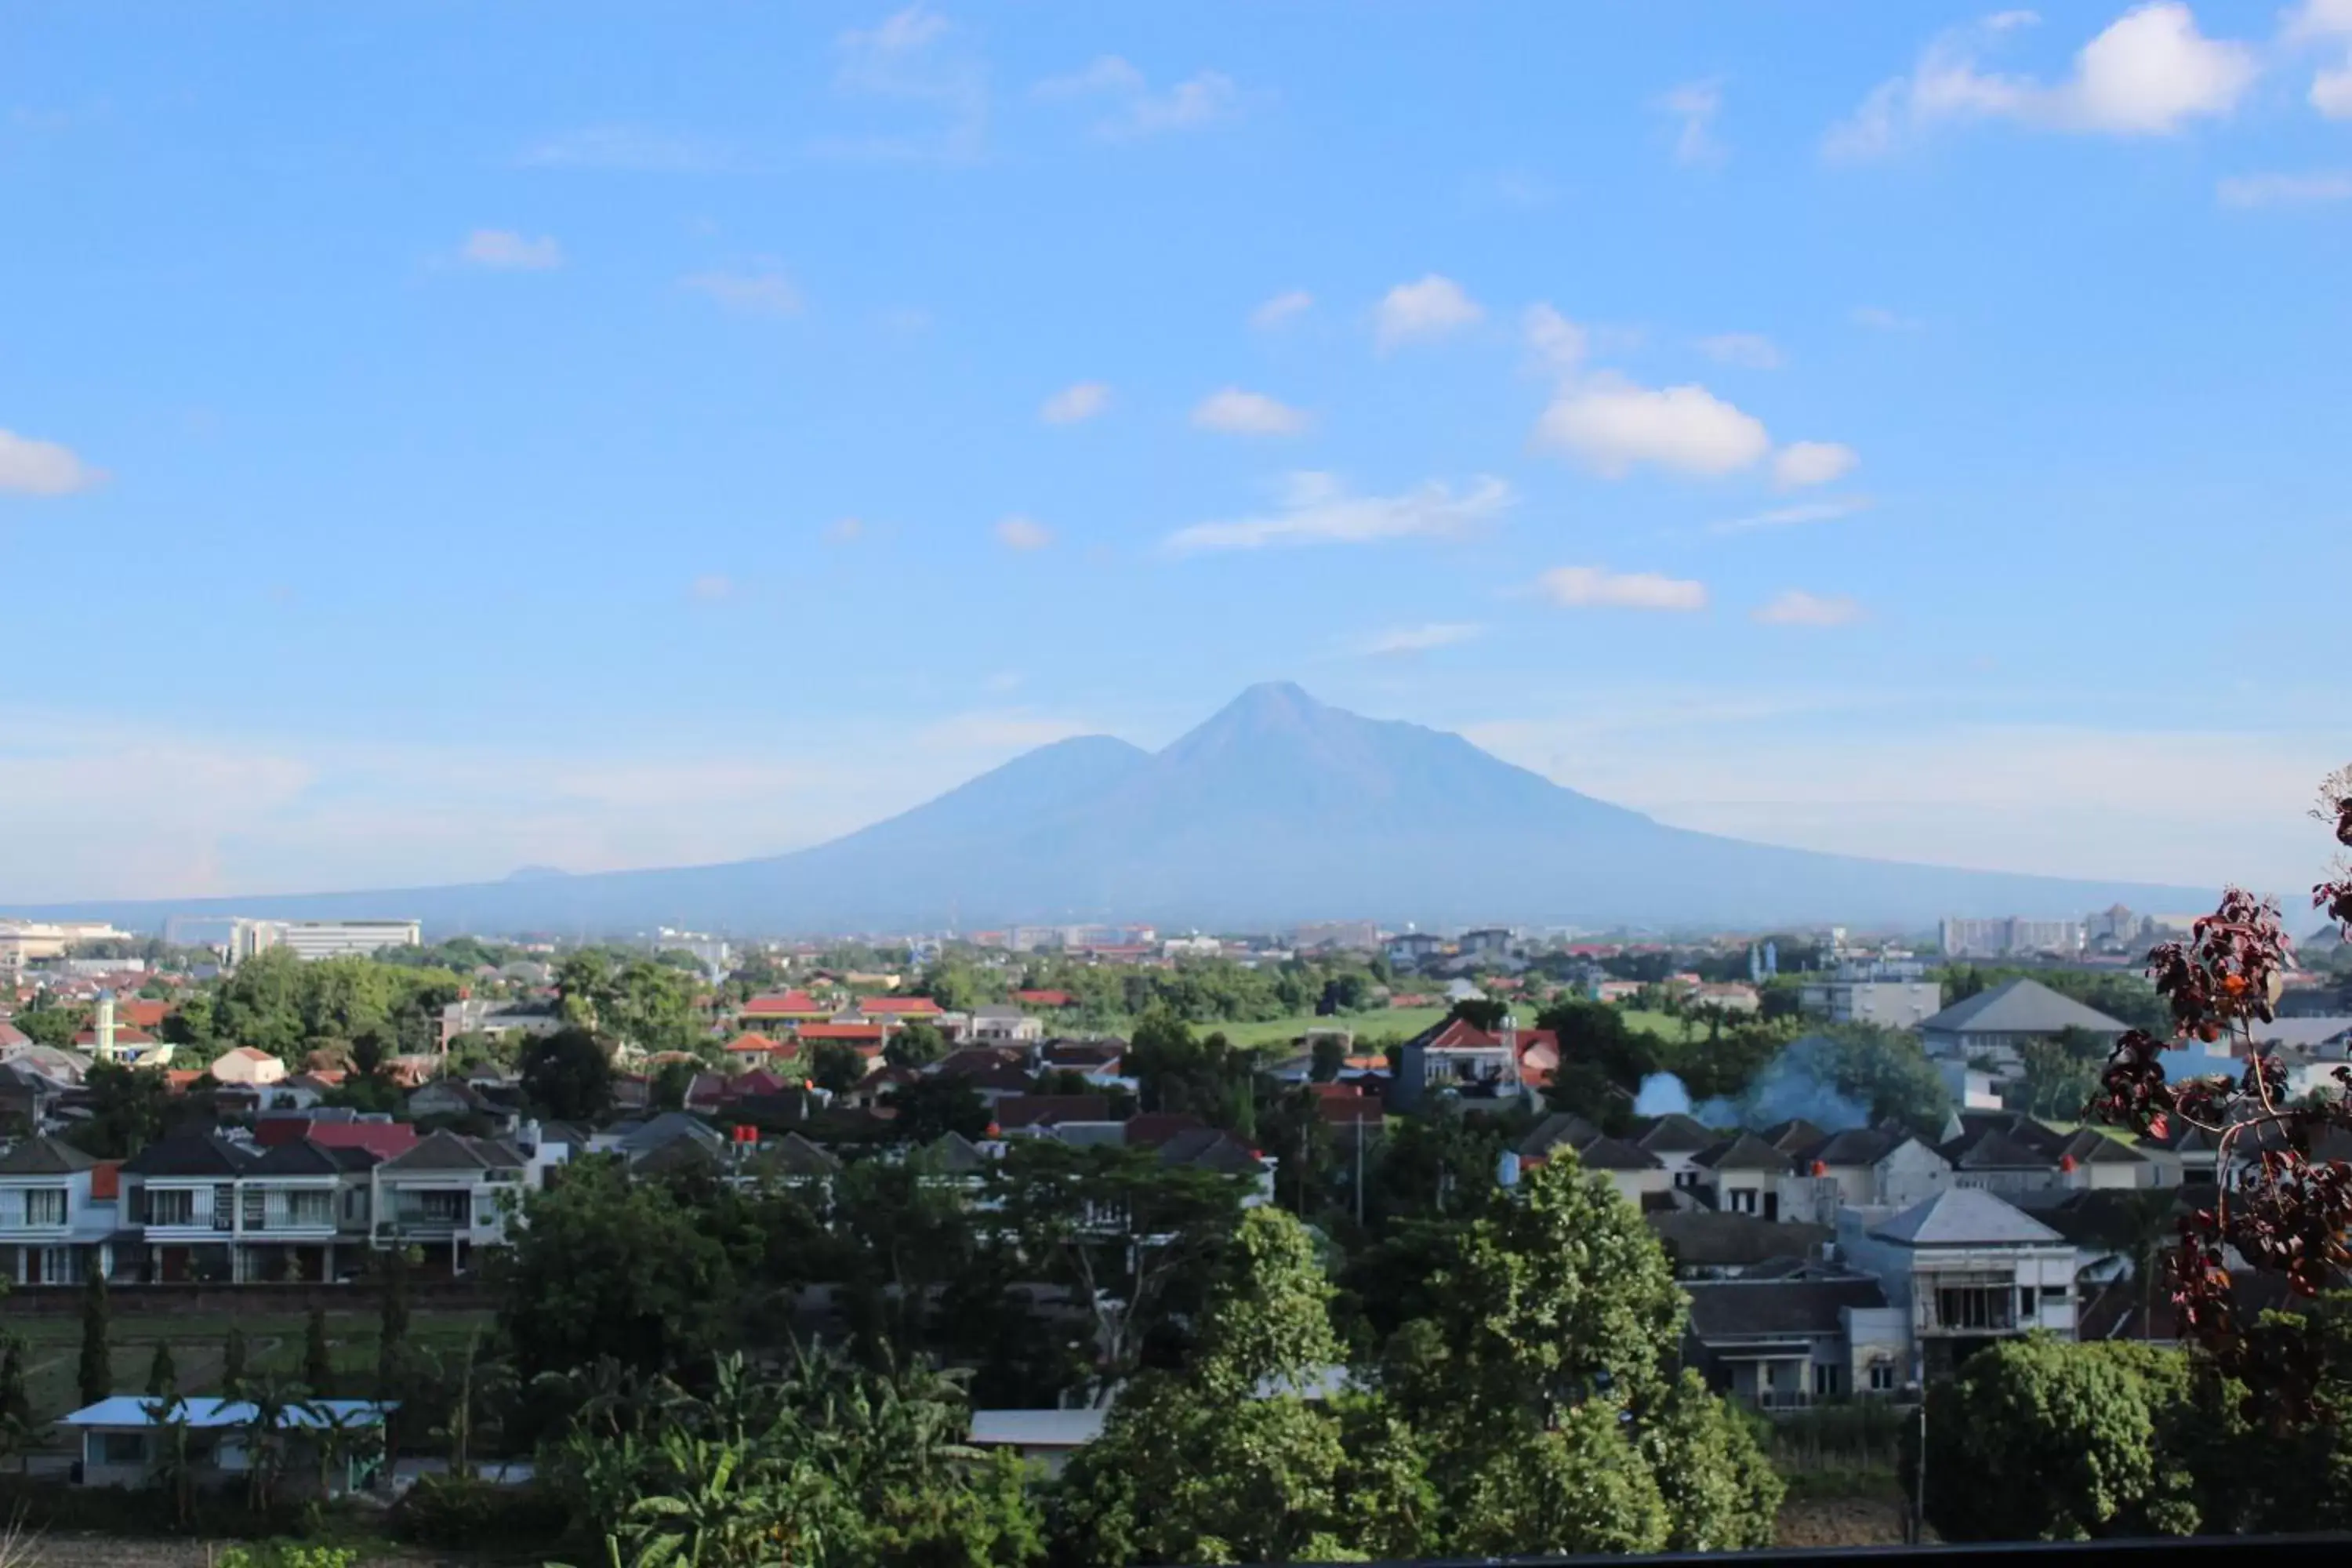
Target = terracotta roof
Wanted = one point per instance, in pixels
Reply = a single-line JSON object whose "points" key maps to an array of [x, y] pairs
{"points": [[145, 1011], [783, 1005], [1044, 998], [123, 1035], [853, 1033], [899, 1007], [751, 1042]]}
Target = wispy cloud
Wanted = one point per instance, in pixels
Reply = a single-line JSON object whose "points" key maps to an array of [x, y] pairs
{"points": [[1798, 608], [760, 289], [1559, 344], [504, 250], [1282, 309], [1750, 351], [1794, 516], [2149, 73], [1318, 509], [1879, 319], [1597, 587], [711, 587], [1693, 107], [1023, 533], [1800, 463], [1233, 412], [844, 530], [1136, 108], [913, 57], [1402, 641], [35, 467], [1073, 404], [1431, 307], [629, 149], [2277, 190]]}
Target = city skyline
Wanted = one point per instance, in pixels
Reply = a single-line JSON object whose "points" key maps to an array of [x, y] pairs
{"points": [[457, 455]]}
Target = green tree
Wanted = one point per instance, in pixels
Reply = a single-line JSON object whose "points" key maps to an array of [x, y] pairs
{"points": [[608, 1267], [835, 1067], [935, 1105], [318, 1356], [232, 1377], [568, 1074], [1229, 1459], [915, 1044], [128, 1109], [2034, 1439], [95, 1380], [1720, 1492], [392, 1319], [162, 1377], [1329, 1056], [18, 1429]]}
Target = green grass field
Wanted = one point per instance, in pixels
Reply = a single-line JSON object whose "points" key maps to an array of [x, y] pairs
{"points": [[1398, 1021], [1663, 1025], [273, 1345]]}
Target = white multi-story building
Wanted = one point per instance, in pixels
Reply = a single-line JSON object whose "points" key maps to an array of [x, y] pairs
{"points": [[2011, 936], [30, 941], [312, 940], [1965, 1269]]}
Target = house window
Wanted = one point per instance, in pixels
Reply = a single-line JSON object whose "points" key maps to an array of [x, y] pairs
{"points": [[1740, 1200], [171, 1205], [123, 1447], [1977, 1307], [223, 1207], [444, 1209], [257, 1208], [1825, 1379], [310, 1208], [2054, 1296], [1686, 1178], [45, 1205], [1881, 1377]]}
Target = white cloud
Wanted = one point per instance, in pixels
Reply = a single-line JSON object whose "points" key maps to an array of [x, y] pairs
{"points": [[2331, 92], [1023, 533], [1751, 350], [1282, 309], [504, 251], [1198, 100], [31, 467], [2285, 190], [1234, 412], [1793, 516], [1318, 509], [1431, 308], [1423, 638], [1612, 425], [1798, 608], [759, 290], [1802, 463], [1557, 341], [1597, 587], [909, 57], [627, 148], [1879, 319], [2149, 73], [711, 586], [2326, 22], [1073, 404], [1695, 105]]}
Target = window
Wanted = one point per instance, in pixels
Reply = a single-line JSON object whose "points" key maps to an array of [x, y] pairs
{"points": [[223, 1207], [257, 1208], [1881, 1377], [1686, 1178], [123, 1447], [171, 1205], [45, 1205], [2054, 1296], [1740, 1200], [310, 1208], [1977, 1307], [439, 1208], [1825, 1379]]}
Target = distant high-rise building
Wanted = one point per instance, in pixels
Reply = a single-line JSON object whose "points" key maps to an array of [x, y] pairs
{"points": [[2011, 936], [1359, 935], [313, 940]]}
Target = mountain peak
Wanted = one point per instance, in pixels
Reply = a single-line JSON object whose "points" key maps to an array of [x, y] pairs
{"points": [[1274, 699]]}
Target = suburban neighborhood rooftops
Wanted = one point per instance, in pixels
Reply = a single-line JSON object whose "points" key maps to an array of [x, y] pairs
{"points": [[1675, 1133], [2020, 1007], [1701, 1239], [1744, 1152], [189, 1154], [1792, 1134], [446, 1151], [1965, 1217], [308, 1159]]}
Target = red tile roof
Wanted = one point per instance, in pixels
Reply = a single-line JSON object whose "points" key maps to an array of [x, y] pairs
{"points": [[145, 1011], [382, 1139], [853, 1033], [752, 1044], [784, 1004], [1044, 998], [122, 1036]]}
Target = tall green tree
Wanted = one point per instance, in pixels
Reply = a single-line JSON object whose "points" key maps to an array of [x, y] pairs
{"points": [[392, 1319], [568, 1074], [915, 1044], [18, 1429], [162, 1377], [95, 1378], [231, 1378], [318, 1356]]}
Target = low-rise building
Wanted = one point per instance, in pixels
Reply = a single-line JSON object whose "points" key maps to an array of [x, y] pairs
{"points": [[1966, 1270], [1994, 1024], [57, 1209]]}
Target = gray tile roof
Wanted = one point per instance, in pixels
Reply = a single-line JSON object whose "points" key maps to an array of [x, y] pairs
{"points": [[1616, 1154], [1740, 1309], [1965, 1217], [1855, 1146], [1992, 1149], [308, 1159], [446, 1151], [44, 1157], [1792, 1136], [189, 1154], [1560, 1127], [954, 1154], [1744, 1152], [2021, 1007], [1677, 1134], [1700, 1239]]}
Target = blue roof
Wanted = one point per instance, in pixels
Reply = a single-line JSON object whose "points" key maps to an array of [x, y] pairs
{"points": [[141, 1410]]}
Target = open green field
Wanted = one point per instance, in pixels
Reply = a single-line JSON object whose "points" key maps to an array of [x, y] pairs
{"points": [[1398, 1021], [273, 1345], [1663, 1025]]}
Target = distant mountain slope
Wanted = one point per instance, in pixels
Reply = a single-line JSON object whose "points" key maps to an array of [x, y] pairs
{"points": [[1277, 809]]}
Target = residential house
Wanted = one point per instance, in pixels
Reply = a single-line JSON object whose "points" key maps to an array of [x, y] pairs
{"points": [[336, 1127], [1021, 1113], [453, 1195], [784, 1009], [1477, 1065], [204, 1207], [1704, 1244], [121, 1442], [57, 1209], [1636, 1173], [636, 1141], [1742, 1175], [1678, 1141], [1864, 1167], [29, 1099], [1895, 994], [248, 1068], [1966, 1270], [1000, 1023], [1046, 999], [1993, 1024], [1784, 1343]]}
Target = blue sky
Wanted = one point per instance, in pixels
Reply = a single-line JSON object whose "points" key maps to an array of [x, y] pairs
{"points": [[442, 438]]}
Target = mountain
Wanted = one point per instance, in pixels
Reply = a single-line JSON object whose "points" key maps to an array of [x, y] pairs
{"points": [[1278, 808]]}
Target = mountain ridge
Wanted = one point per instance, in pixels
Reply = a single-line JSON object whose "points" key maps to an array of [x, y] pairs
{"points": [[1275, 808]]}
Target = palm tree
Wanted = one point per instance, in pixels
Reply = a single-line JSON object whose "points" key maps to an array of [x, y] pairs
{"points": [[269, 1401], [341, 1435], [173, 1469]]}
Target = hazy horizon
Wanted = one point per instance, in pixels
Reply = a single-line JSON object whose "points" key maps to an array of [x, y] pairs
{"points": [[1917, 438]]}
